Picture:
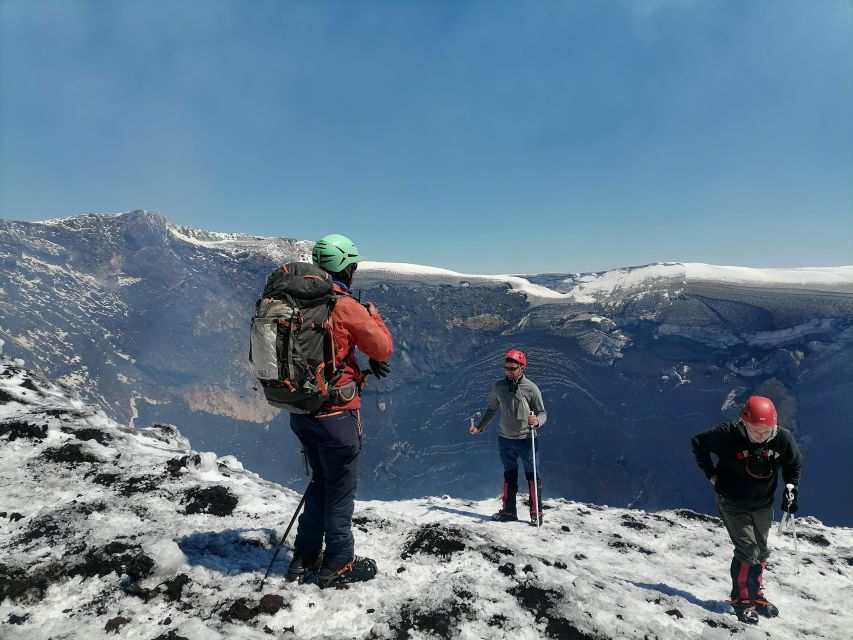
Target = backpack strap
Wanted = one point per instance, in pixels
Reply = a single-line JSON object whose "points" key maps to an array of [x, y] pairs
{"points": [[329, 344]]}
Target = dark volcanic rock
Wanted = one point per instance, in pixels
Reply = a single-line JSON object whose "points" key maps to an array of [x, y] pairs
{"points": [[116, 557], [701, 517], [98, 435], [441, 621], [171, 635], [16, 584], [435, 540], [541, 602], [216, 500], [72, 454], [625, 547], [114, 624], [239, 610], [271, 604], [14, 429], [174, 588], [128, 486], [16, 619]]}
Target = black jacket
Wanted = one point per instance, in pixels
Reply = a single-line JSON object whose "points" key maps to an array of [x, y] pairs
{"points": [[747, 472]]}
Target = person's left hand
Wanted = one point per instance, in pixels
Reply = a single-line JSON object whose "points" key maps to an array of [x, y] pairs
{"points": [[533, 421], [791, 507]]}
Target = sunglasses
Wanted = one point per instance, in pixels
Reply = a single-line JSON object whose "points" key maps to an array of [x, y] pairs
{"points": [[512, 368]]}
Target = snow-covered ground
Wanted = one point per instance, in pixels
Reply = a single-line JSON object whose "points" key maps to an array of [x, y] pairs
{"points": [[109, 532]]}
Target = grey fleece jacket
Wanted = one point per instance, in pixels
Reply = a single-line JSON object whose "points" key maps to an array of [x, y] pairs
{"points": [[516, 401]]}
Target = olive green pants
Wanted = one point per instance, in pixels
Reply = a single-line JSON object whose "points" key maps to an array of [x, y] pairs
{"points": [[747, 529]]}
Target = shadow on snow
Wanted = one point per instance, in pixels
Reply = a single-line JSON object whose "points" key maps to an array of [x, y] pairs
{"points": [[236, 551], [479, 517], [714, 606]]}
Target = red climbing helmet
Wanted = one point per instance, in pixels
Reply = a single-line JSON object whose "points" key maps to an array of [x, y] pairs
{"points": [[518, 356], [759, 410]]}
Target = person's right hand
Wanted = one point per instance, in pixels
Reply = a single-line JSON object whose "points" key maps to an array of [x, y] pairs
{"points": [[474, 430], [713, 480]]}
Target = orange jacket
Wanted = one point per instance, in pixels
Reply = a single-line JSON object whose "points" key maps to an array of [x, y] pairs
{"points": [[353, 327]]}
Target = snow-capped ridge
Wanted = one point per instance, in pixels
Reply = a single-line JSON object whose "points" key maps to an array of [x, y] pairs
{"points": [[583, 288]]}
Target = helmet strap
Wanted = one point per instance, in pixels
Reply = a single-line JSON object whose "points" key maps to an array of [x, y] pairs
{"points": [[344, 277]]}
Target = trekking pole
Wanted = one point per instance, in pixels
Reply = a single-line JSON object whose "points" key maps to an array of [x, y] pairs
{"points": [[284, 537], [534, 498], [788, 518], [789, 494], [304, 455]]}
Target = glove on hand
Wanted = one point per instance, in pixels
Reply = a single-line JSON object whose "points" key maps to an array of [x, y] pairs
{"points": [[379, 369], [792, 508]]}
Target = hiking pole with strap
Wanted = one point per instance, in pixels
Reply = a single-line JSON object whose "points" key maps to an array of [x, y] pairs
{"points": [[788, 518], [292, 520], [534, 499]]}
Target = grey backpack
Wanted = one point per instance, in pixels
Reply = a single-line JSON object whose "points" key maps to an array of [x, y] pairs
{"points": [[291, 347]]}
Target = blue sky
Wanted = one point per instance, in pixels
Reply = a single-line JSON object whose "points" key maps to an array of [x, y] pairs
{"points": [[486, 137]]}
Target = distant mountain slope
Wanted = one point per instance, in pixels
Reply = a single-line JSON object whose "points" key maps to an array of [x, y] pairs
{"points": [[109, 532], [149, 320]]}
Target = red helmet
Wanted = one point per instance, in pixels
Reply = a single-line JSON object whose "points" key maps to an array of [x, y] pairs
{"points": [[759, 410], [518, 356]]}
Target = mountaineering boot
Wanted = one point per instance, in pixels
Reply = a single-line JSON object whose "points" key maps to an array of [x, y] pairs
{"points": [[765, 608], [508, 511], [755, 585], [740, 588], [356, 570], [745, 612], [535, 492], [501, 516], [302, 566]]}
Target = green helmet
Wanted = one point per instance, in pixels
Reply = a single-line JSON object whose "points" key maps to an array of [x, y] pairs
{"points": [[334, 253]]}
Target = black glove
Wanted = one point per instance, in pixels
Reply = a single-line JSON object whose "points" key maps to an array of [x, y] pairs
{"points": [[379, 369], [790, 508]]}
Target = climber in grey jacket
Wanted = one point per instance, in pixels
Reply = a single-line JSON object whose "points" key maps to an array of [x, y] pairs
{"points": [[522, 410]]}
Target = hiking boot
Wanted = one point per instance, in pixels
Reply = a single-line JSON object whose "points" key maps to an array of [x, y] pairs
{"points": [[536, 522], [765, 608], [746, 613], [301, 567], [356, 570], [504, 516]]}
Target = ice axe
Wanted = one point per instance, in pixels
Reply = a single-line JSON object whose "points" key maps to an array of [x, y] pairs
{"points": [[471, 418]]}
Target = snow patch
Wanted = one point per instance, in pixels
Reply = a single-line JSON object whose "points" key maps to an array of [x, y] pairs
{"points": [[167, 555], [126, 281]]}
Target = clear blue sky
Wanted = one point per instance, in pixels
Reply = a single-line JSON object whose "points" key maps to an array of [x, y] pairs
{"points": [[486, 137]]}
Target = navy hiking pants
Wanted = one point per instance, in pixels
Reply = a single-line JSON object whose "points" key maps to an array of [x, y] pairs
{"points": [[332, 443], [511, 450]]}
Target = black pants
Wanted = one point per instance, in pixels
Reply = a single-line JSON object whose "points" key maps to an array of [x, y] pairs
{"points": [[748, 529], [332, 443]]}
